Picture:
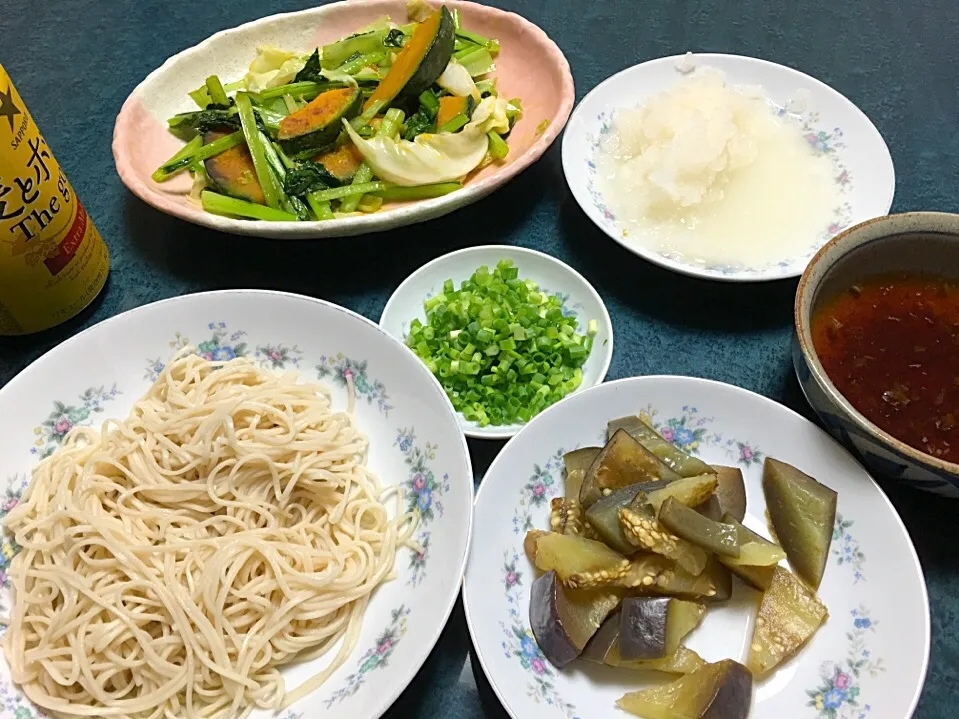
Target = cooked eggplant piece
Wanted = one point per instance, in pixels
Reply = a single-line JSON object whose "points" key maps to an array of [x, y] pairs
{"points": [[789, 614], [603, 648], [723, 690], [576, 464], [759, 577], [683, 464], [622, 462], [644, 531], [653, 574], [603, 516], [642, 628], [529, 544], [720, 577], [803, 513], [682, 618], [566, 516], [564, 619], [691, 491], [731, 492], [579, 562], [688, 524], [754, 550]]}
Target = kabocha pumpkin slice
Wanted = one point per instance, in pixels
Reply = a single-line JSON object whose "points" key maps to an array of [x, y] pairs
{"points": [[682, 463], [803, 513], [579, 562], [566, 516], [422, 60], [603, 516], [576, 463], [315, 126], [688, 524], [723, 690], [622, 462], [452, 106], [232, 171], [341, 162], [564, 619], [691, 491], [645, 532], [789, 614]]}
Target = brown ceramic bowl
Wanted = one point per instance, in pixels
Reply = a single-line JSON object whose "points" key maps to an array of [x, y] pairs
{"points": [[921, 242]]}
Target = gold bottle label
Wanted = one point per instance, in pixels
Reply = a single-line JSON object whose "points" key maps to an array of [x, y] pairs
{"points": [[53, 262]]}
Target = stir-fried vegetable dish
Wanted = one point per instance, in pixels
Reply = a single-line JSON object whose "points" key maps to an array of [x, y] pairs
{"points": [[648, 538], [390, 113]]}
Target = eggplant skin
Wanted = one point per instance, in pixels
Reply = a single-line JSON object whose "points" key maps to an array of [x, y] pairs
{"points": [[544, 620], [733, 696], [642, 628]]}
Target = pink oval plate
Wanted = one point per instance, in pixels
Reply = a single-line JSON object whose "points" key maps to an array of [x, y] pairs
{"points": [[529, 65]]}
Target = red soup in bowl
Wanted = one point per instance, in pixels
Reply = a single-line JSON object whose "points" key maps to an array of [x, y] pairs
{"points": [[890, 345]]}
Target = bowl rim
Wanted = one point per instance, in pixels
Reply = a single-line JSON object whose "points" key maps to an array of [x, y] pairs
{"points": [[509, 431], [704, 58], [407, 213], [803, 322]]}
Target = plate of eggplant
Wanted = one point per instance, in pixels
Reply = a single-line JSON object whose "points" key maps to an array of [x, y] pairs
{"points": [[677, 548]]}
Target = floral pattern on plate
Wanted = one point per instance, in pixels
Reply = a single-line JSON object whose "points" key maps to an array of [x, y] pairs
{"points": [[423, 494], [375, 657], [520, 643], [342, 369], [224, 345], [821, 141], [64, 417], [837, 696]]}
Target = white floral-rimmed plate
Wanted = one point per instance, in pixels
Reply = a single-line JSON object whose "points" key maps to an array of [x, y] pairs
{"points": [[529, 65], [414, 441], [557, 278], [868, 660], [832, 125]]}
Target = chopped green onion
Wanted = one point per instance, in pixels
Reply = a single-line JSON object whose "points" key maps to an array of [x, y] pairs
{"points": [[502, 349], [454, 124], [195, 151], [498, 149], [420, 192], [223, 205]]}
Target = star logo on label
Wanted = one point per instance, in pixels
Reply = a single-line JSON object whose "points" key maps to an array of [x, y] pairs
{"points": [[7, 107]]}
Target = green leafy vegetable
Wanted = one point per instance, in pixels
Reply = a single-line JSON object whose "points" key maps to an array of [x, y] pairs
{"points": [[215, 89], [306, 178], [193, 152], [498, 149], [478, 61], [271, 191], [311, 71], [204, 120], [502, 349], [395, 38], [420, 192]]}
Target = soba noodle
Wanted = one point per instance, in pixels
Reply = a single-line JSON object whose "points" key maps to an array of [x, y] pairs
{"points": [[172, 563]]}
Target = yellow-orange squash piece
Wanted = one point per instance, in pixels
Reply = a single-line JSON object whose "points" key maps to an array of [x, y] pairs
{"points": [[341, 162], [318, 123], [232, 171], [451, 107], [421, 61]]}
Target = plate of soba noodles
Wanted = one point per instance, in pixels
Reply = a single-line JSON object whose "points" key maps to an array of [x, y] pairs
{"points": [[229, 504]]}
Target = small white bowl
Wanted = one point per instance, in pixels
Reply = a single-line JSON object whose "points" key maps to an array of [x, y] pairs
{"points": [[578, 296], [831, 123]]}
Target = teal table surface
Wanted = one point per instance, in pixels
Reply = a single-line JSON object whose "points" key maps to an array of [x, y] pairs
{"points": [[75, 61]]}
